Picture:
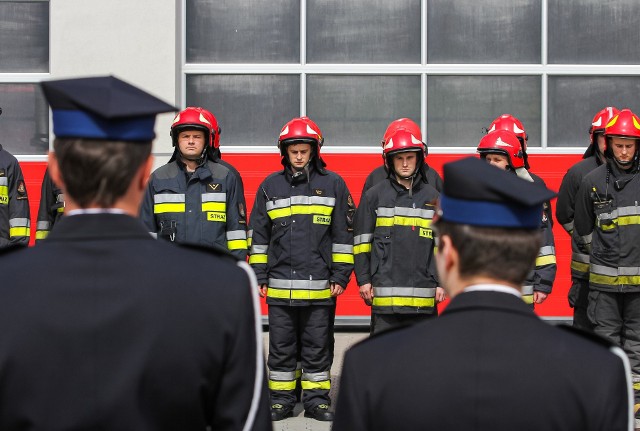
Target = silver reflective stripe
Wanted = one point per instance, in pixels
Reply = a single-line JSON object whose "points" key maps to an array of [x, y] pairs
{"points": [[60, 198], [282, 376], [342, 248], [43, 225], [604, 270], [626, 211], [316, 377], [580, 257], [300, 200], [168, 198], [19, 222], [250, 233], [214, 197], [299, 284], [547, 250], [4, 181], [416, 292], [527, 290], [154, 235], [259, 249], [414, 212], [568, 226], [629, 270], [385, 212], [363, 239], [587, 238], [236, 234]]}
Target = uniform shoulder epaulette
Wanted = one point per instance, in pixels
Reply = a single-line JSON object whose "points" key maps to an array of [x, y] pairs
{"points": [[211, 249], [587, 335]]}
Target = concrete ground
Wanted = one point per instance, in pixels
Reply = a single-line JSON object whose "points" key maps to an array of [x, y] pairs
{"points": [[298, 422]]}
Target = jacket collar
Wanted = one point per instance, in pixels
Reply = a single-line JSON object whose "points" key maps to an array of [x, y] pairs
{"points": [[98, 227], [489, 300]]}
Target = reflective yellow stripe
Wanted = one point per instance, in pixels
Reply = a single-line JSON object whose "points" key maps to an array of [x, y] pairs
{"points": [[249, 242], [237, 244], [282, 386], [342, 258], [300, 209], [528, 299], [42, 234], [168, 208], [579, 266], [614, 280], [627, 220], [220, 207], [402, 301], [298, 293], [636, 386], [60, 210], [545, 260], [306, 385], [19, 231], [258, 258], [362, 248], [403, 221]]}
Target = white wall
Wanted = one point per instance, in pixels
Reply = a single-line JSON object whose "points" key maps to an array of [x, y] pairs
{"points": [[134, 40]]}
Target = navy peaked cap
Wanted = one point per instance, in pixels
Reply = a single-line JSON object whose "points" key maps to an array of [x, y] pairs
{"points": [[478, 194], [102, 107]]}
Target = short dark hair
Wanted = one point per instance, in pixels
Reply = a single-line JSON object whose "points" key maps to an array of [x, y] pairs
{"points": [[502, 254], [98, 172]]}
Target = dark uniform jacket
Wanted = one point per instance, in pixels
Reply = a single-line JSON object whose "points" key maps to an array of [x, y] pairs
{"points": [[15, 222], [51, 207], [544, 274], [394, 247], [206, 208], [472, 369], [380, 173], [105, 328], [607, 226], [301, 236], [565, 209]]}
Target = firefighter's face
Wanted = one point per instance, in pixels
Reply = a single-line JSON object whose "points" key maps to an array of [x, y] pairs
{"points": [[602, 142], [299, 155], [498, 160], [405, 163], [623, 149], [191, 143]]}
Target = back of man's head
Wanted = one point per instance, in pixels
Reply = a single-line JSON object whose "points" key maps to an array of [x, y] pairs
{"points": [[104, 128]]}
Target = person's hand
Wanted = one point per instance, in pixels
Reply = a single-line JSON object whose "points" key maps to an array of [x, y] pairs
{"points": [[336, 289], [539, 297], [262, 289], [441, 295], [366, 293]]}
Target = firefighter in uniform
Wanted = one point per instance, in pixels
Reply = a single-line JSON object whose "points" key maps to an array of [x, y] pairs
{"points": [[302, 253], [15, 224], [540, 284], [382, 172], [193, 199], [393, 240], [51, 207], [592, 158], [607, 226], [488, 362], [502, 149]]}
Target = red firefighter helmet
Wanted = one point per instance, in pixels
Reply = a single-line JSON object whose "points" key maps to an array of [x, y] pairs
{"points": [[402, 123], [601, 120], [199, 119], [400, 141], [505, 143], [625, 124], [513, 125], [300, 130]]}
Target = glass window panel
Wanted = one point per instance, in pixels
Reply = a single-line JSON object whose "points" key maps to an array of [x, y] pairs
{"points": [[363, 31], [24, 123], [487, 31], [251, 109], [574, 100], [593, 32], [460, 107], [248, 31], [356, 110], [24, 36]]}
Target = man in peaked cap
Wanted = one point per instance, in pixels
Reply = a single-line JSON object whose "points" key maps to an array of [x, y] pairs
{"points": [[99, 329], [488, 362]]}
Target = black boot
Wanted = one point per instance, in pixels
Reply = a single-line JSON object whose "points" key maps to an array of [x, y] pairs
{"points": [[319, 413], [279, 412]]}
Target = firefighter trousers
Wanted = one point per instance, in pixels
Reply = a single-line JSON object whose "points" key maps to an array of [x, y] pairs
{"points": [[311, 327], [579, 299]]}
